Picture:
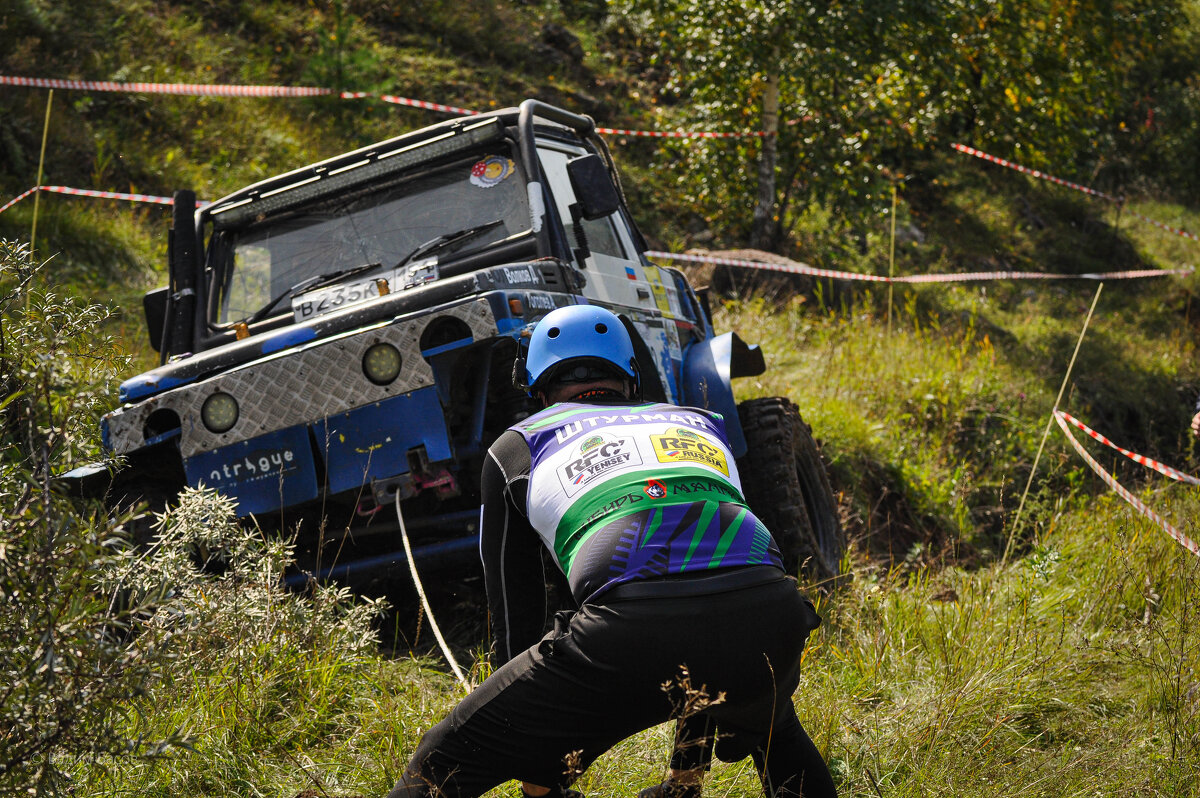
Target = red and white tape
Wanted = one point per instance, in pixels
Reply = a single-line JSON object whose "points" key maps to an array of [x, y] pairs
{"points": [[678, 134], [426, 105], [188, 89], [1025, 170], [1076, 186], [1131, 274], [1063, 421], [1177, 231], [87, 192], [17, 199], [231, 90], [790, 267], [1140, 459], [800, 268]]}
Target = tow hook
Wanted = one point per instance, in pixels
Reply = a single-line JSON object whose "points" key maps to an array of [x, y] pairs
{"points": [[421, 476]]}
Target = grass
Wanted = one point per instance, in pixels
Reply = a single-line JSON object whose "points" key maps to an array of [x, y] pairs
{"points": [[1070, 670]]}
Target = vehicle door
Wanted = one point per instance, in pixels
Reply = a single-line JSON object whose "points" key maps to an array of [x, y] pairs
{"points": [[617, 276]]}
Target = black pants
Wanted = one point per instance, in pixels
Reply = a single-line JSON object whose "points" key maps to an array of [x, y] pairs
{"points": [[598, 678]]}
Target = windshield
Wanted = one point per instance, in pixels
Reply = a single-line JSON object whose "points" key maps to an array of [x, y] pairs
{"points": [[381, 225]]}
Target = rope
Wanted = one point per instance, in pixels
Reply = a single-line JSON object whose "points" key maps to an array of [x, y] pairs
{"points": [[412, 568], [1012, 535]]}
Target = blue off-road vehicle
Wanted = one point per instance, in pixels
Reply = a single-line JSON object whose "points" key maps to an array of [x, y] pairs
{"points": [[346, 332]]}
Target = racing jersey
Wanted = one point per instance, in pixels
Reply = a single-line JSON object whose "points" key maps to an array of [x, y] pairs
{"points": [[617, 493]]}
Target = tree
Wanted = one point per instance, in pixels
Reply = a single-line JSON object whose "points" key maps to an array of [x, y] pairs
{"points": [[862, 86], [790, 69]]}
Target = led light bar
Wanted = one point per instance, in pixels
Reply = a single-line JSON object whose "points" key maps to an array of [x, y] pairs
{"points": [[319, 181]]}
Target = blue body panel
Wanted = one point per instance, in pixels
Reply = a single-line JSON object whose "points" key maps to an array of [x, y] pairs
{"points": [[373, 441], [147, 384], [263, 474], [706, 384], [288, 338]]}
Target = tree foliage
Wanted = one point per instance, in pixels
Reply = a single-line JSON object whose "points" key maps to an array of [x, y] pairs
{"points": [[867, 88]]}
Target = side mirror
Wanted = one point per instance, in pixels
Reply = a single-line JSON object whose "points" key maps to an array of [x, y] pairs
{"points": [[594, 189], [154, 304]]}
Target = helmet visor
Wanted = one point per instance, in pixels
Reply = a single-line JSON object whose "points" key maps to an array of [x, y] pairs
{"points": [[578, 370]]}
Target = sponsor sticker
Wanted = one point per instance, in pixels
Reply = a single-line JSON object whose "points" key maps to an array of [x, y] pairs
{"points": [[519, 275], [491, 171], [680, 445], [658, 289], [594, 457], [253, 466], [655, 489]]}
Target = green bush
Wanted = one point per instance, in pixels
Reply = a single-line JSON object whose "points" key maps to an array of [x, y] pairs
{"points": [[113, 652], [69, 661]]}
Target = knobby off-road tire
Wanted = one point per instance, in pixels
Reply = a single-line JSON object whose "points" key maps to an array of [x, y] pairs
{"points": [[785, 484]]}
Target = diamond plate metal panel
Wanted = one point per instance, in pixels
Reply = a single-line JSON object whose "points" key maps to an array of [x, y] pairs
{"points": [[298, 387]]}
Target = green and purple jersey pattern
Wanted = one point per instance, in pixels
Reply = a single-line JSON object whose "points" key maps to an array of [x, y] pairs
{"points": [[624, 493]]}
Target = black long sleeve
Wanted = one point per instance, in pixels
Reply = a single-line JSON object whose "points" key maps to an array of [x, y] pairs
{"points": [[511, 550]]}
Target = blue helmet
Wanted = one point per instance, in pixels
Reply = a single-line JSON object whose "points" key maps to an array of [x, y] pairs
{"points": [[578, 332]]}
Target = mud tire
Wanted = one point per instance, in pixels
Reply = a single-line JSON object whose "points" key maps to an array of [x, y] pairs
{"points": [[786, 485]]}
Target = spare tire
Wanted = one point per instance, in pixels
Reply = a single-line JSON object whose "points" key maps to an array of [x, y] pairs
{"points": [[785, 484]]}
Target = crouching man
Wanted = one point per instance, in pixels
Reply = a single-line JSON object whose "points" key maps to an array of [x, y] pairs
{"points": [[676, 581]]}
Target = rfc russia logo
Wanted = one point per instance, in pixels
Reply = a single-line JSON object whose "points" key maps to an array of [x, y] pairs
{"points": [[680, 445]]}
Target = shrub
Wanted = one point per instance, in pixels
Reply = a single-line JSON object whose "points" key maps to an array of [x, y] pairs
{"points": [[69, 660], [110, 649]]}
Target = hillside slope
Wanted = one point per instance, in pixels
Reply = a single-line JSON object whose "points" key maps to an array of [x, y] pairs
{"points": [[1069, 666]]}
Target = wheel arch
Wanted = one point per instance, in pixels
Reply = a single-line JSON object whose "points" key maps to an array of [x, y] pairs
{"points": [[708, 371]]}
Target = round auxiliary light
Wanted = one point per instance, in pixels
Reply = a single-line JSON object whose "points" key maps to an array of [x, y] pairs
{"points": [[219, 412], [381, 363]]}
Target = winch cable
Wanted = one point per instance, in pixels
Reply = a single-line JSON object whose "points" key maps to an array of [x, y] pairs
{"points": [[437, 633]]}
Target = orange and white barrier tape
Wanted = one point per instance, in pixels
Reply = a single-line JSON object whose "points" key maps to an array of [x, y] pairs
{"points": [[87, 192], [1140, 459], [1064, 420], [187, 89], [799, 268], [231, 90], [1025, 170]]}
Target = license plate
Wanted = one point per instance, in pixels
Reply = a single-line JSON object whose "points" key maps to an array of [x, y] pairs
{"points": [[335, 297]]}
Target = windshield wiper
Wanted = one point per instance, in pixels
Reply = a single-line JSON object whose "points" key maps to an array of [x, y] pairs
{"points": [[447, 239], [429, 247], [316, 281]]}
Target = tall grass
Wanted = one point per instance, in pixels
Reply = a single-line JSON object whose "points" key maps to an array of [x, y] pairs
{"points": [[925, 427], [1071, 670], [259, 678]]}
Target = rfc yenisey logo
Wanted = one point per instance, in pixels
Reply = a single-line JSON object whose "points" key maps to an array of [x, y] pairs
{"points": [[595, 456], [681, 445]]}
